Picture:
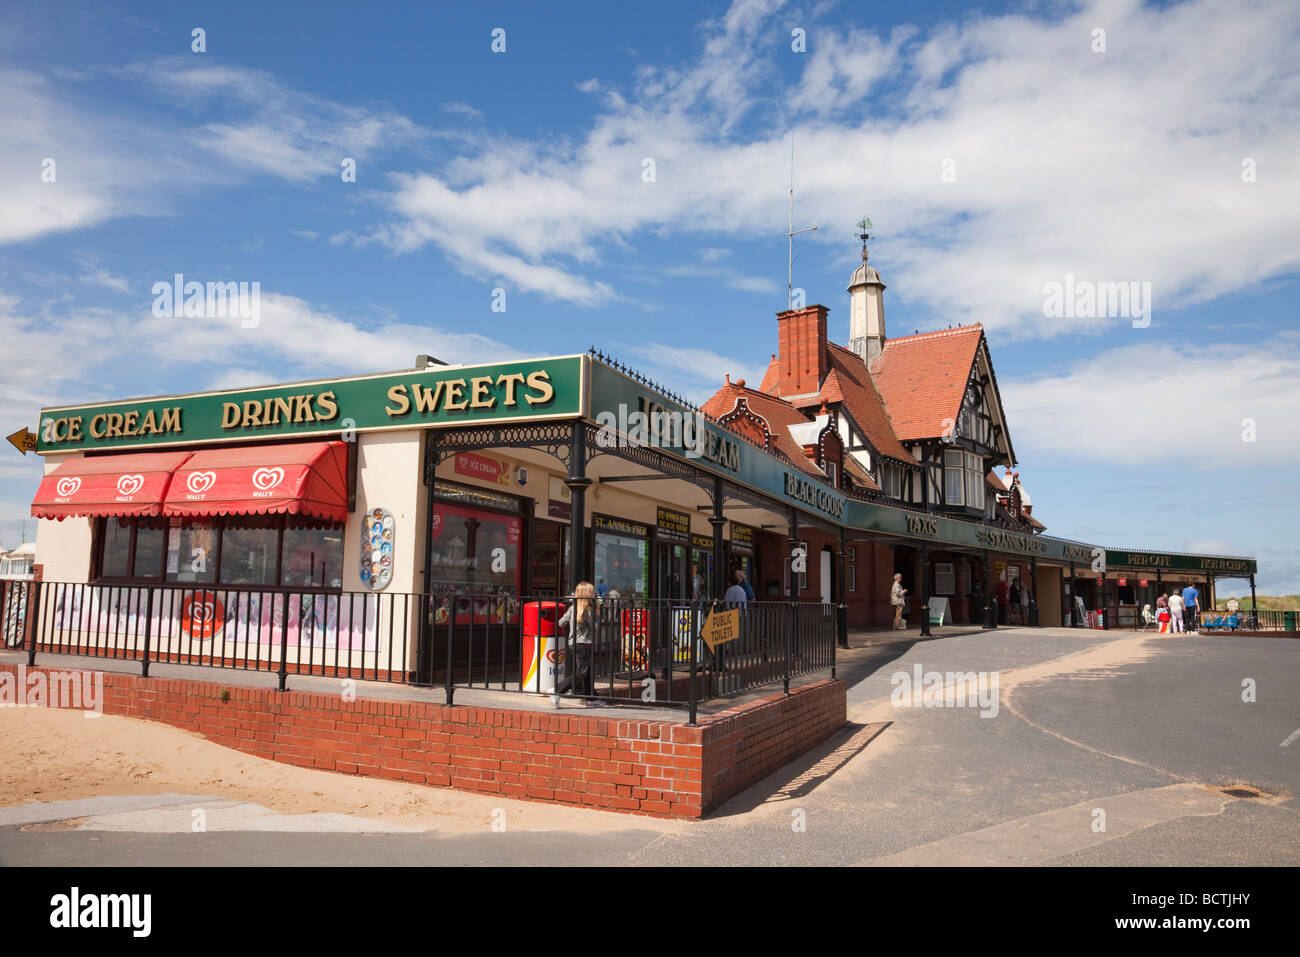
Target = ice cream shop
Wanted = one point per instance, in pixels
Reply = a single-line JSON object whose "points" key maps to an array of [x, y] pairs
{"points": [[395, 525]]}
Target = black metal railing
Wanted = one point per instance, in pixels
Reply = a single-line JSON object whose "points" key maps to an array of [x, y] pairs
{"points": [[361, 635], [653, 652], [639, 651]]}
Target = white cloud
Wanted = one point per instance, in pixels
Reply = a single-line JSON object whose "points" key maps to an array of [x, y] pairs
{"points": [[1117, 166], [696, 373], [102, 277], [1182, 405], [461, 109], [108, 164]]}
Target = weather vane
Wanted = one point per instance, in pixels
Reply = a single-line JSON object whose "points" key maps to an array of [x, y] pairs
{"points": [[865, 227]]}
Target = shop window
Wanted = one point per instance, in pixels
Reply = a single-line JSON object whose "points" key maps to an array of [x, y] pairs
{"points": [[945, 578], [192, 552], [115, 555], [250, 553], [475, 548], [621, 565], [853, 568], [312, 556], [247, 550], [131, 548]]}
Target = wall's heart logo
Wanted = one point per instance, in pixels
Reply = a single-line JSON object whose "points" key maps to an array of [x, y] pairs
{"points": [[67, 487], [200, 482], [267, 479], [129, 484]]}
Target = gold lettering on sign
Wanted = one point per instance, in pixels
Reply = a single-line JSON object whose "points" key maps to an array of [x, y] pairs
{"points": [[302, 408], [326, 406], [455, 400], [541, 382], [171, 420], [401, 404], [510, 380], [922, 526], [426, 400], [479, 397]]}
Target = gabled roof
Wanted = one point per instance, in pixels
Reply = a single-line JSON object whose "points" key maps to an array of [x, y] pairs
{"points": [[922, 379], [779, 415], [848, 384]]}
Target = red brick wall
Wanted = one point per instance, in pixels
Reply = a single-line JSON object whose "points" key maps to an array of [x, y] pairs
{"points": [[641, 767]]}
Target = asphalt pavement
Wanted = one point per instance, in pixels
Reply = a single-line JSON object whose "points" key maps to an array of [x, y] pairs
{"points": [[1125, 761]]}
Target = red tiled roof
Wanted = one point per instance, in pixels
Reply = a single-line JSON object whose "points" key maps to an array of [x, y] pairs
{"points": [[771, 378], [922, 379], [864, 402], [778, 413]]}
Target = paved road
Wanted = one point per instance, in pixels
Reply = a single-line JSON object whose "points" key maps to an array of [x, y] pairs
{"points": [[1116, 757]]}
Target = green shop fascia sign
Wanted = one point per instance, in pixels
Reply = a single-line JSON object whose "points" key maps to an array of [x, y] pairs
{"points": [[1189, 563], [943, 532], [530, 389], [629, 415]]}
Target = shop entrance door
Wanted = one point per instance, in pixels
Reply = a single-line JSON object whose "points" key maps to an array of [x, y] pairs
{"points": [[549, 559], [670, 572]]}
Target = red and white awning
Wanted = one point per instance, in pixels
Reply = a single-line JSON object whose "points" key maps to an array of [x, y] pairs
{"points": [[116, 485], [306, 478]]}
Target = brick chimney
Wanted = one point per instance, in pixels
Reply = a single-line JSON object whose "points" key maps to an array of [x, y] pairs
{"points": [[804, 362]]}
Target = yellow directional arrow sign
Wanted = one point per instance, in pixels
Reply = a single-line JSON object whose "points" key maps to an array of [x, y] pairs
{"points": [[23, 441], [721, 627]]}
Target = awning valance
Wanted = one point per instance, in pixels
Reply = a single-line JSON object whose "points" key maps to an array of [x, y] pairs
{"points": [[304, 478], [116, 485]]}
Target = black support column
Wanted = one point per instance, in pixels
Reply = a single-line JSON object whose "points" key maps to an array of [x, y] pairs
{"points": [[843, 610], [1033, 591], [720, 584], [990, 598], [925, 591], [792, 542], [577, 483]]}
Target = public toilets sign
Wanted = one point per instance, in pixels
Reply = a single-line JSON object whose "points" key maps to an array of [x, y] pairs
{"points": [[532, 389]]}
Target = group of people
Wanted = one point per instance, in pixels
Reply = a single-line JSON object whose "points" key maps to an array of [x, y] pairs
{"points": [[1178, 612], [579, 623], [1014, 600]]}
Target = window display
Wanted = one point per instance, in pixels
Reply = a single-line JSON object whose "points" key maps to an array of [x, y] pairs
{"points": [[474, 564], [621, 562]]}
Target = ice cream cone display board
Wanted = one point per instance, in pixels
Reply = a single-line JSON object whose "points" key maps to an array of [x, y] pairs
{"points": [[378, 534]]}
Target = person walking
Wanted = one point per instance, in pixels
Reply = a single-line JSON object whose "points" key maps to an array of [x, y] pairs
{"points": [[1026, 599], [1013, 614], [744, 583], [736, 596], [1176, 613], [896, 593], [1191, 609], [580, 621]]}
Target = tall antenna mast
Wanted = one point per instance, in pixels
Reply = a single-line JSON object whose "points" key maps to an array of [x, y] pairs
{"points": [[790, 234]]}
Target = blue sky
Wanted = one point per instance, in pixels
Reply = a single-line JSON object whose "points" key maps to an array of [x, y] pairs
{"points": [[996, 148]]}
